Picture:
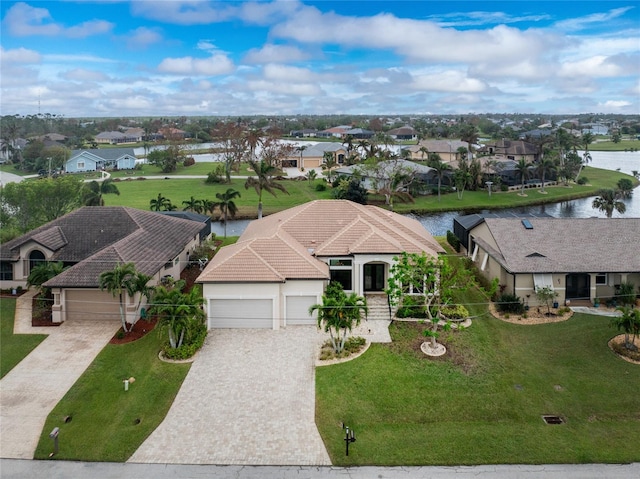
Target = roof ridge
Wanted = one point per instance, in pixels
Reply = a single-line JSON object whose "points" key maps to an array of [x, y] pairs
{"points": [[309, 258], [265, 262]]}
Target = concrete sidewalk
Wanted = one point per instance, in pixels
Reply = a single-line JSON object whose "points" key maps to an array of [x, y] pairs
{"points": [[16, 469], [31, 390]]}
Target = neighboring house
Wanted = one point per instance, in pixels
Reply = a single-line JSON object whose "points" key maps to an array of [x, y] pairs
{"points": [[190, 215], [373, 178], [304, 133], [313, 156], [581, 258], [117, 137], [358, 133], [447, 149], [403, 133], [100, 159], [335, 132], [281, 264], [94, 239], [511, 150]]}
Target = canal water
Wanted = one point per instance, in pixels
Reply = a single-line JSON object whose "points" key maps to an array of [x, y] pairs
{"points": [[438, 223]]}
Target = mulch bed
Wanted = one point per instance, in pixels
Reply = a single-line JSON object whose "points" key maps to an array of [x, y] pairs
{"points": [[41, 316], [140, 329]]}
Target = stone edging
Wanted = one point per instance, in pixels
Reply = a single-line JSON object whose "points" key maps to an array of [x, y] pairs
{"points": [[162, 358], [329, 362], [611, 341]]}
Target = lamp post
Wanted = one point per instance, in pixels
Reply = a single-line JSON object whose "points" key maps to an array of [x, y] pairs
{"points": [[489, 184]]}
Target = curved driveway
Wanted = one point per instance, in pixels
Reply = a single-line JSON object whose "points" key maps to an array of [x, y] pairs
{"points": [[249, 398]]}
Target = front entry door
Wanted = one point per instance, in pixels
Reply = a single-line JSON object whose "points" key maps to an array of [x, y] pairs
{"points": [[374, 277]]}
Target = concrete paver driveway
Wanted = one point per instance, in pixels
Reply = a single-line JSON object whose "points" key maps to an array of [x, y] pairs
{"points": [[30, 391], [249, 398]]}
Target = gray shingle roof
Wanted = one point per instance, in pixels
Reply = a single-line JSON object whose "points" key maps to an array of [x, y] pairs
{"points": [[106, 153], [563, 245], [97, 237]]}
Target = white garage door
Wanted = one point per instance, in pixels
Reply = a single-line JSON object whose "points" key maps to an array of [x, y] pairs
{"points": [[241, 313], [298, 309]]}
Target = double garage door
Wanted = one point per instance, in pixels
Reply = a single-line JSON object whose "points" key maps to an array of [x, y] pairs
{"points": [[258, 313]]}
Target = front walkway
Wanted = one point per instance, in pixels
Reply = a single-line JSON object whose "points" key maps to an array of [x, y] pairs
{"points": [[31, 390], [249, 398]]}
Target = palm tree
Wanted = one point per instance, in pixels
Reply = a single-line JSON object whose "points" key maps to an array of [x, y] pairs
{"points": [[263, 182], [93, 191], [312, 175], [629, 322], [441, 168], [193, 205], [119, 281], [253, 140], [160, 203], [522, 168], [424, 151], [44, 272], [546, 165], [228, 208], [608, 201], [339, 313], [177, 311], [328, 163]]}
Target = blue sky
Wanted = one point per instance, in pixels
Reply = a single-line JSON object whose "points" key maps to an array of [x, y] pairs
{"points": [[167, 58]]}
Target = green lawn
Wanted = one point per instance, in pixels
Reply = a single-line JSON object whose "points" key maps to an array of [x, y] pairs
{"points": [[623, 145], [484, 406], [138, 193], [13, 347], [104, 417]]}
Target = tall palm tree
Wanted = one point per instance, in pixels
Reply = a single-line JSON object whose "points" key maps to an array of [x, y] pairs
{"points": [[263, 182], [546, 165], [193, 205], [119, 281], [253, 140], [424, 151], [93, 191], [522, 168], [608, 201], [228, 208], [441, 168], [329, 162]]}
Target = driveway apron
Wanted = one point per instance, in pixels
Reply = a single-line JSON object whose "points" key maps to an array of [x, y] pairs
{"points": [[249, 398], [30, 391]]}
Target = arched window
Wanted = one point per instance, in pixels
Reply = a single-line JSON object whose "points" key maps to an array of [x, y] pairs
{"points": [[36, 258]]}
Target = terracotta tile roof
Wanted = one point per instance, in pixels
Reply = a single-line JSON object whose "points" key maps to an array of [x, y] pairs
{"points": [[578, 245], [286, 245], [97, 237]]}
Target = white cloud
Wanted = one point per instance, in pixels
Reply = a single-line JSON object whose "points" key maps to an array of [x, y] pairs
{"points": [[193, 12], [580, 23], [24, 20], [216, 64], [594, 67], [19, 55], [286, 74], [477, 18], [206, 45], [295, 89], [448, 81], [82, 74], [143, 37], [609, 104], [271, 53]]}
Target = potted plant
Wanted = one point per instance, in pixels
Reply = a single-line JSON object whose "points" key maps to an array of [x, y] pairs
{"points": [[596, 302]]}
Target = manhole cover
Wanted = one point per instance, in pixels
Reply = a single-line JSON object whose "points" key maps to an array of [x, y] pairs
{"points": [[551, 419]]}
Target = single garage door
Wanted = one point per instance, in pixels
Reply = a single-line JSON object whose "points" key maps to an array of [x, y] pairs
{"points": [[90, 304], [298, 309], [241, 313]]}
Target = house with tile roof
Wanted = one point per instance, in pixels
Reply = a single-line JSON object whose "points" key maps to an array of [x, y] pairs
{"points": [[100, 159], [94, 239], [282, 263], [312, 156], [580, 258], [447, 149]]}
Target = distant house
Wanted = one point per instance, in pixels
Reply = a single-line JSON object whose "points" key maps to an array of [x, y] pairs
{"points": [[373, 178], [447, 149], [313, 156], [403, 133], [94, 239], [116, 137], [305, 133], [282, 263], [511, 150], [334, 132], [100, 159], [580, 258]]}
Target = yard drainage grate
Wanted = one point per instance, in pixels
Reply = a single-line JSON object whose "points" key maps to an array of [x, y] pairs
{"points": [[549, 419]]}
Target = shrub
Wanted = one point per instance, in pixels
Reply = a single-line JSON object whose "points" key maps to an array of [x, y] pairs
{"points": [[411, 307], [321, 187], [509, 303], [187, 350], [583, 180], [189, 161], [455, 311], [453, 240]]}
